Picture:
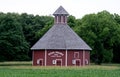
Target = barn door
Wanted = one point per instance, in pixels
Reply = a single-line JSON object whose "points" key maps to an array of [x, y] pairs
{"points": [[58, 62], [78, 62]]}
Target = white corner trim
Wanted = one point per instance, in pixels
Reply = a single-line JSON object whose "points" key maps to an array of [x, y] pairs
{"points": [[45, 56], [83, 57], [32, 57], [66, 58]]}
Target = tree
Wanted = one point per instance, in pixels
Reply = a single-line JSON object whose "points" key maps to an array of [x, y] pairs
{"points": [[32, 24], [116, 48], [12, 42], [71, 21], [99, 31]]}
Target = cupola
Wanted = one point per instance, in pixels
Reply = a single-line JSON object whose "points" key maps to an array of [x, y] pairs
{"points": [[60, 16]]}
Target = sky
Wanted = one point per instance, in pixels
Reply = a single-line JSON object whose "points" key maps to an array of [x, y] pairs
{"points": [[77, 8]]}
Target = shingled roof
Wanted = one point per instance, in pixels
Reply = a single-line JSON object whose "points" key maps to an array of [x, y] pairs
{"points": [[61, 37], [60, 11]]}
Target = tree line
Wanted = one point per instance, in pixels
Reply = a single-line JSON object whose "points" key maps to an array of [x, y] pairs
{"points": [[18, 32]]}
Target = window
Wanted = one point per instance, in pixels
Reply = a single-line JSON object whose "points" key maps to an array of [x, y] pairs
{"points": [[54, 61], [73, 61], [76, 54]]}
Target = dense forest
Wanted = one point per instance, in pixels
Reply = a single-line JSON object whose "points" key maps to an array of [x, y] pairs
{"points": [[18, 32]]}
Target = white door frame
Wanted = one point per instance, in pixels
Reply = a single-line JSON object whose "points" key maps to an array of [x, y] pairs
{"points": [[38, 61], [59, 60], [79, 61]]}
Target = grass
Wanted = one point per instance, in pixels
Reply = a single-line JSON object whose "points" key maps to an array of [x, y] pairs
{"points": [[16, 63], [24, 69]]}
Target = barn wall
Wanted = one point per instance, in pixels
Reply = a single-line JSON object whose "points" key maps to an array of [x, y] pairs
{"points": [[61, 55], [87, 57], [55, 55], [71, 57], [38, 55]]}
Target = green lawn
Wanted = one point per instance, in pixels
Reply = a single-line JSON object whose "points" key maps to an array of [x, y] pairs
{"points": [[20, 69]]}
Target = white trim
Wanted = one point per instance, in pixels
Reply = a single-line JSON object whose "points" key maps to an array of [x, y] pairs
{"points": [[66, 58], [45, 56], [77, 54], [55, 54], [83, 57], [32, 57], [89, 58], [53, 61], [86, 62], [38, 61]]}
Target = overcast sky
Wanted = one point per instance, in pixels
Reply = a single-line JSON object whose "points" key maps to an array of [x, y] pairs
{"points": [[77, 8]]}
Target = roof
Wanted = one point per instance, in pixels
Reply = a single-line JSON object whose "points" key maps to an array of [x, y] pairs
{"points": [[60, 11], [61, 36]]}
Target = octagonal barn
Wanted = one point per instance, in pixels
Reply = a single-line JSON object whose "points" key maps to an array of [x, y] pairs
{"points": [[60, 46]]}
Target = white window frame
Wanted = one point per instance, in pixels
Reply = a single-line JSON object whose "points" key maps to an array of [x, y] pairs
{"points": [[76, 54]]}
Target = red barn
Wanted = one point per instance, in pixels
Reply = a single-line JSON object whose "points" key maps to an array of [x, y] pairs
{"points": [[61, 45]]}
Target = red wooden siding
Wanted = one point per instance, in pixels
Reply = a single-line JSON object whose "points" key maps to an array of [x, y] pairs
{"points": [[38, 55], [51, 57], [58, 57], [87, 57], [71, 57]]}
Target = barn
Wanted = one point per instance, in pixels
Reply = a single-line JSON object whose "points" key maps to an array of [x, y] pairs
{"points": [[60, 46]]}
